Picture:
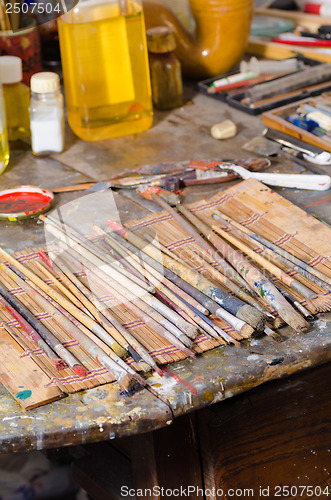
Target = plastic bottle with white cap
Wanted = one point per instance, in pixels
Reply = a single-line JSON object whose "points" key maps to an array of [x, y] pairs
{"points": [[46, 113], [16, 96]]}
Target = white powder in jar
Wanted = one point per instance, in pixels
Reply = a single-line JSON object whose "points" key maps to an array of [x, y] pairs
{"points": [[47, 136]]}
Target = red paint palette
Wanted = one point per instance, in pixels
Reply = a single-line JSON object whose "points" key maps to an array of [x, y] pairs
{"points": [[24, 202]]}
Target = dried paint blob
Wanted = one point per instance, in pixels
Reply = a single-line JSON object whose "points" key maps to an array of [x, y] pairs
{"points": [[24, 202], [24, 394]]}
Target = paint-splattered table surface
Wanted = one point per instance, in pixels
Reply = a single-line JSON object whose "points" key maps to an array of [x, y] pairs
{"points": [[103, 413]]}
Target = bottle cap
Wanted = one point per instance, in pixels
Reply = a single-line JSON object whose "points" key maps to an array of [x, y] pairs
{"points": [[160, 39], [45, 82], [10, 69]]}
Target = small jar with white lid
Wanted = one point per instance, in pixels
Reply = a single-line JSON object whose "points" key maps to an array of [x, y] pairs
{"points": [[46, 114]]}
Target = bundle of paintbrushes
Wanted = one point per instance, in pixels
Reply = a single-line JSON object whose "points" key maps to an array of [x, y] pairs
{"points": [[287, 273], [92, 311], [127, 300]]}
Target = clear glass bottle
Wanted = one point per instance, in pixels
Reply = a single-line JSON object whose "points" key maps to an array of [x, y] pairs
{"points": [[16, 96], [4, 146], [105, 68], [46, 114], [166, 74]]}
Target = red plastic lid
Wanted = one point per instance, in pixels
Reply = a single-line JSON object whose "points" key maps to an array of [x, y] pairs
{"points": [[23, 202]]}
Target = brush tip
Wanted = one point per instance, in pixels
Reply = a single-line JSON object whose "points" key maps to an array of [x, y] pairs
{"points": [[192, 331], [131, 383], [278, 322], [119, 351], [247, 331], [80, 370], [59, 364], [295, 320], [321, 303], [186, 341], [253, 317]]}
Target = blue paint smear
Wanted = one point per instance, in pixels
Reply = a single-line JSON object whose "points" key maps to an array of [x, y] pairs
{"points": [[24, 394]]}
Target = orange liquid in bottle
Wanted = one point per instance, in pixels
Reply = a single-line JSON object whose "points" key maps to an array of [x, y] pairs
{"points": [[105, 69]]}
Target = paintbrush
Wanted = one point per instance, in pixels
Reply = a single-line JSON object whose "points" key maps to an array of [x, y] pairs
{"points": [[93, 306], [298, 181], [89, 246], [187, 227], [159, 289], [320, 303], [297, 304], [45, 334], [215, 273]]}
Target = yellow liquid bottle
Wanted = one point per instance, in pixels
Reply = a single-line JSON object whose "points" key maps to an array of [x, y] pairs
{"points": [[16, 96], [4, 147], [105, 69]]}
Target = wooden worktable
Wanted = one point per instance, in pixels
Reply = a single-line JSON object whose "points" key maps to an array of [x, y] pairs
{"points": [[102, 413]]}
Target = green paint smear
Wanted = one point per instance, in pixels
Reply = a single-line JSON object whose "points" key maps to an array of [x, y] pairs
{"points": [[24, 394]]}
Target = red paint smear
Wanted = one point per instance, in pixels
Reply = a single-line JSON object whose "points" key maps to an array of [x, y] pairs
{"points": [[21, 201], [45, 259], [180, 380], [317, 202], [115, 226]]}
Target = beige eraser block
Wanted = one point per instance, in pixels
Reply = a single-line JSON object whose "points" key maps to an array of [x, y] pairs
{"points": [[223, 130]]}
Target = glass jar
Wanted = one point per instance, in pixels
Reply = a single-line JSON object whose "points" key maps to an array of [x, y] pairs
{"points": [[16, 96], [166, 74], [105, 68], [4, 146], [46, 114]]}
